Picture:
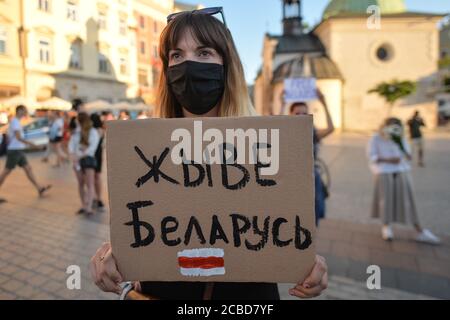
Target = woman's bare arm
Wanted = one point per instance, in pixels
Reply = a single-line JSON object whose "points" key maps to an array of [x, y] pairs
{"points": [[322, 133]]}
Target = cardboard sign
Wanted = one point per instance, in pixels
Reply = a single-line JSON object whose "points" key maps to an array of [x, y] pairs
{"points": [[235, 220], [300, 89]]}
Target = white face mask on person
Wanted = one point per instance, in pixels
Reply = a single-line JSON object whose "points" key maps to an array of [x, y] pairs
{"points": [[393, 130], [197, 86]]}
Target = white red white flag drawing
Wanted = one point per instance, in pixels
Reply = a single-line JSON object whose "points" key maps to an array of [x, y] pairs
{"points": [[202, 262]]}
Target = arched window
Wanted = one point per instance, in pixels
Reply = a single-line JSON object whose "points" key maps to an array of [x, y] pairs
{"points": [[45, 50], [72, 10], [3, 40], [103, 62], [76, 56], [44, 5]]}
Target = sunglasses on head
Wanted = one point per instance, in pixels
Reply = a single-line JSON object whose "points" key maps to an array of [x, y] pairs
{"points": [[208, 11]]}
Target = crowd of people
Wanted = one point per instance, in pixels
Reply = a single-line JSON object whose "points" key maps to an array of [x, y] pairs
{"points": [[74, 137]]}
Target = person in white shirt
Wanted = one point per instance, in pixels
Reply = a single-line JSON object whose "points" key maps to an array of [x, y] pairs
{"points": [[56, 138], [142, 115], [389, 160], [82, 147], [15, 155]]}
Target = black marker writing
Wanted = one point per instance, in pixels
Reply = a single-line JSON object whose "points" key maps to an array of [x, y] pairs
{"points": [[217, 231], [276, 233], [237, 230], [264, 234], [137, 224], [259, 165], [166, 230], [298, 230], [193, 223], [154, 166], [245, 174]]}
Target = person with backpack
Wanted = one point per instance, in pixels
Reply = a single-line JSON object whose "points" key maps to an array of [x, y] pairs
{"points": [[202, 76]]}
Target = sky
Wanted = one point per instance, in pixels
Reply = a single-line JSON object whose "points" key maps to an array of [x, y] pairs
{"points": [[249, 20]]}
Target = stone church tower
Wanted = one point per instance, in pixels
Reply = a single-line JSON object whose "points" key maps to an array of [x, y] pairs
{"points": [[349, 53]]}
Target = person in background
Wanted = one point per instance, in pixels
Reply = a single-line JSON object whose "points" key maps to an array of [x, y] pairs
{"points": [[142, 115], [105, 115], [15, 155], [109, 117], [393, 201], [415, 124], [77, 105], [3, 117], [82, 147], [320, 192], [56, 137], [48, 147], [73, 125], [98, 125], [124, 115], [66, 133]]}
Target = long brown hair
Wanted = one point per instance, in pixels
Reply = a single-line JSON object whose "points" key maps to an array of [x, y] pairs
{"points": [[85, 126], [212, 33]]}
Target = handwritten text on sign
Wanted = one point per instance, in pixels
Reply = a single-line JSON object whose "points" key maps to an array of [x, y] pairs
{"points": [[224, 221]]}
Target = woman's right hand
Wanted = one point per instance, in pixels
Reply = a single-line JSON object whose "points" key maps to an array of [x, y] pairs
{"points": [[104, 270]]}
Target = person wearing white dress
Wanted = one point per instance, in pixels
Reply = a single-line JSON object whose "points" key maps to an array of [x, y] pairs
{"points": [[394, 202]]}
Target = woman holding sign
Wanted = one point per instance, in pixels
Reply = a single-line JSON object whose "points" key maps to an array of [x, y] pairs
{"points": [[202, 76]]}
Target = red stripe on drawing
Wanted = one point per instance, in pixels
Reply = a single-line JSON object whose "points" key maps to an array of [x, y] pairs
{"points": [[201, 262]]}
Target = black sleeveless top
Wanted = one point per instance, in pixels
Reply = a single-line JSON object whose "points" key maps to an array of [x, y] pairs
{"points": [[220, 291]]}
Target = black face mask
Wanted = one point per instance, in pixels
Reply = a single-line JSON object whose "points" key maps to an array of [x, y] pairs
{"points": [[197, 86]]}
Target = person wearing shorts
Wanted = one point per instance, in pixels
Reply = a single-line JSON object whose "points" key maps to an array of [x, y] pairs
{"points": [[15, 155], [82, 147]]}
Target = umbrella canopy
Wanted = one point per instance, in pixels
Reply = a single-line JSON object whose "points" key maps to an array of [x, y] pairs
{"points": [[15, 101], [122, 106], [56, 103], [98, 105]]}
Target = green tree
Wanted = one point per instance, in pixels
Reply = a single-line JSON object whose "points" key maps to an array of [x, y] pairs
{"points": [[447, 84], [444, 63], [392, 91]]}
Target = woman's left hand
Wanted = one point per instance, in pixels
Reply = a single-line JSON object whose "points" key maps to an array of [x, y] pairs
{"points": [[315, 283]]}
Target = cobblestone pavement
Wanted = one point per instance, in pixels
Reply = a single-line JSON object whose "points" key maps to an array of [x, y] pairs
{"points": [[40, 238], [341, 288], [37, 246], [352, 182], [350, 247]]}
